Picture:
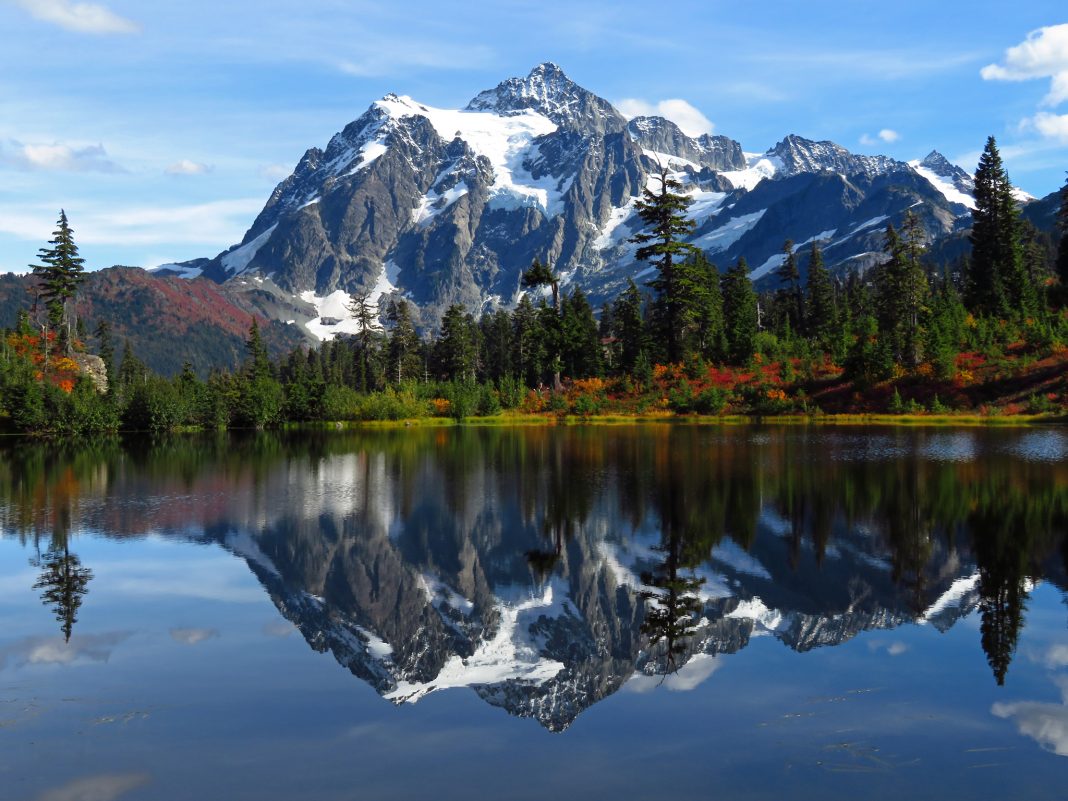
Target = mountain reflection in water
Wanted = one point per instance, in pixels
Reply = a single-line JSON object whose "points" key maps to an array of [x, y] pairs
{"points": [[546, 567]]}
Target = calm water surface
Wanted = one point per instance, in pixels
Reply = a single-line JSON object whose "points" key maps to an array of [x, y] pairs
{"points": [[616, 613]]}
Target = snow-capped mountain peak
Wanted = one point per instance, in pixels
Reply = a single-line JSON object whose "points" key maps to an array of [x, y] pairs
{"points": [[955, 184], [799, 155], [547, 90]]}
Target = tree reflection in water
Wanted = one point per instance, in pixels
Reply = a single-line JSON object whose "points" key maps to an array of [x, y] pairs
{"points": [[821, 509]]}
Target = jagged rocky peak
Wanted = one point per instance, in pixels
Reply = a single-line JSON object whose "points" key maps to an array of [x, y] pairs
{"points": [[943, 167], [549, 91], [800, 155], [663, 136]]}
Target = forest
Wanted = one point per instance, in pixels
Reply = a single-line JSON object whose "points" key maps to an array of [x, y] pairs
{"points": [[984, 335]]}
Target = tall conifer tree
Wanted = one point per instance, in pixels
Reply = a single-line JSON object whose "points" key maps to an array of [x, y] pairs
{"points": [[61, 273], [664, 212], [998, 282]]}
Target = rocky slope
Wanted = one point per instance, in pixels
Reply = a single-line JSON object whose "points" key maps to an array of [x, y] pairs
{"points": [[450, 206]]}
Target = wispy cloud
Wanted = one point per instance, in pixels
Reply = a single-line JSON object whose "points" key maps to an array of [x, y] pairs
{"points": [[679, 111], [96, 788], [57, 157], [56, 651], [882, 65], [79, 17], [380, 57], [275, 172], [187, 167], [219, 223], [886, 135]]}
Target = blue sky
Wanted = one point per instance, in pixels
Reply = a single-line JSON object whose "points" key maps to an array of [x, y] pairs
{"points": [[162, 127]]}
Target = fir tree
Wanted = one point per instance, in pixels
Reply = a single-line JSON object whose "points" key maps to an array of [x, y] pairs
{"points": [[707, 309], [365, 315], [581, 346], [60, 274], [629, 326], [528, 354], [403, 348], [739, 313], [1062, 248], [258, 363], [664, 213], [456, 347], [997, 281], [820, 317], [789, 276], [539, 275], [65, 582]]}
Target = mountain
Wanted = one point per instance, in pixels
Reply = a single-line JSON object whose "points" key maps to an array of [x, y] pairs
{"points": [[152, 312], [450, 206]]}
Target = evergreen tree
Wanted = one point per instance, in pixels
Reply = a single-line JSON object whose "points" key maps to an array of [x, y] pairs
{"points": [[528, 354], [539, 275], [65, 582], [403, 356], [789, 276], [581, 347], [366, 316], [60, 274], [997, 282], [707, 310], [132, 371], [739, 313], [258, 363], [664, 213], [456, 349], [1062, 248], [902, 293], [820, 316], [946, 329], [497, 345], [629, 326]]}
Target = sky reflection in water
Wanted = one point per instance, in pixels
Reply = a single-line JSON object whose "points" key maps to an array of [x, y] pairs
{"points": [[721, 612]]}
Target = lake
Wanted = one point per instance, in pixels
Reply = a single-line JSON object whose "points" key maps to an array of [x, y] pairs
{"points": [[615, 612]]}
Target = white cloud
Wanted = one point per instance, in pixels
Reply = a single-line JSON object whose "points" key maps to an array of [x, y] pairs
{"points": [[1046, 724], [686, 116], [1051, 126], [1044, 54], [79, 17], [190, 636], [57, 651], [57, 157], [187, 167], [895, 648], [96, 788], [886, 135]]}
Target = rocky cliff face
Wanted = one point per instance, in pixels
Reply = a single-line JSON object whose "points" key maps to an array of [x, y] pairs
{"points": [[450, 206]]}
